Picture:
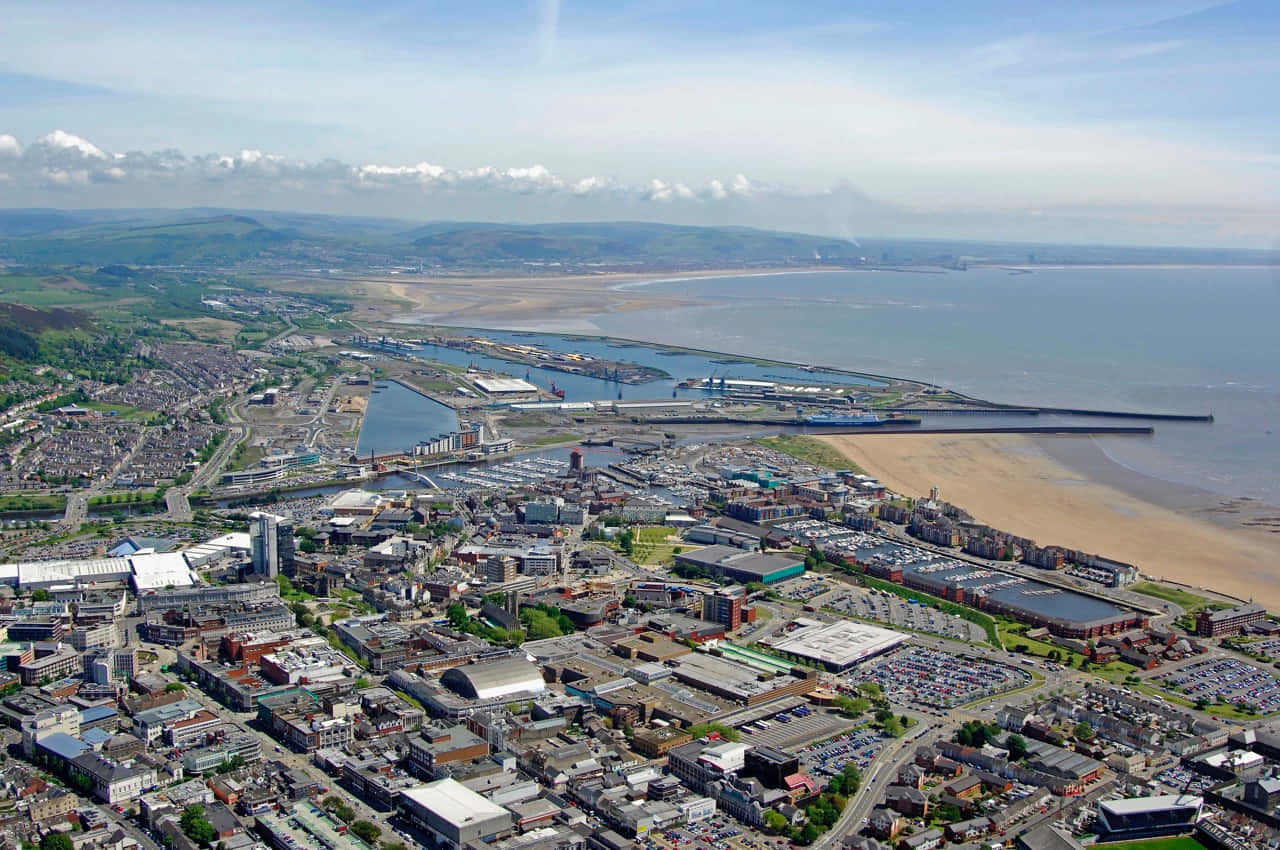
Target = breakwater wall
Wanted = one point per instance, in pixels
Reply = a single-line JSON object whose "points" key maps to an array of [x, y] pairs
{"points": [[1085, 430], [1015, 410]]}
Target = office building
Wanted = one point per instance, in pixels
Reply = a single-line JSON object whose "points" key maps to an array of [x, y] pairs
{"points": [[500, 569], [270, 543]]}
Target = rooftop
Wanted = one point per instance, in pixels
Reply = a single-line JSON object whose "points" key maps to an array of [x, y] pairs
{"points": [[841, 643], [490, 679], [1139, 805], [453, 802]]}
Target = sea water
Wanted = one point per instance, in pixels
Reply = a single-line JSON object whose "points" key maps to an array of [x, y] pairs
{"points": [[1179, 340]]}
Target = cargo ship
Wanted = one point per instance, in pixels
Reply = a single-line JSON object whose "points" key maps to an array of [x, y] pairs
{"points": [[846, 419]]}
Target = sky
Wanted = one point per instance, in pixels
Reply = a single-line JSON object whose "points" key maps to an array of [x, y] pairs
{"points": [[1121, 121]]}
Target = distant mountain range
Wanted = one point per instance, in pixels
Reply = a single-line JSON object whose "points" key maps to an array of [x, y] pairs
{"points": [[211, 237]]}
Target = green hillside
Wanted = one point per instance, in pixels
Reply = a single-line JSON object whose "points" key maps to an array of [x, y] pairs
{"points": [[618, 242], [221, 239]]}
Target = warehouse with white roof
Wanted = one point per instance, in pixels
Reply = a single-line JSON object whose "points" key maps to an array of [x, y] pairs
{"points": [[166, 569], [211, 551], [453, 814], [499, 386], [147, 571]]}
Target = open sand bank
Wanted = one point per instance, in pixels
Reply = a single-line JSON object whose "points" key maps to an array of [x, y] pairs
{"points": [[549, 303], [1010, 482]]}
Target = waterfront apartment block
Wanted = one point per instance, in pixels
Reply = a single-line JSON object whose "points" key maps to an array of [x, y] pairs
{"points": [[1229, 621]]}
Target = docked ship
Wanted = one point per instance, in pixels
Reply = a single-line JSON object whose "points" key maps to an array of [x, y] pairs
{"points": [[845, 419]]}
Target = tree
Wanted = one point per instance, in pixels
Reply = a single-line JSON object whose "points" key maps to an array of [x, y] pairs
{"points": [[847, 781], [59, 841], [975, 733], [365, 831], [774, 820], [339, 808], [304, 615], [363, 682], [948, 812], [1017, 747], [702, 730], [1082, 731], [40, 595], [892, 727], [457, 615], [174, 687], [539, 624], [196, 826], [234, 763]]}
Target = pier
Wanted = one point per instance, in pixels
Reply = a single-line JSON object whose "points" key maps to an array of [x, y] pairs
{"points": [[1085, 430]]}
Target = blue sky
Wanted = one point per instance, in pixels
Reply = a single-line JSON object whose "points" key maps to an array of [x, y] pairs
{"points": [[1150, 121]]}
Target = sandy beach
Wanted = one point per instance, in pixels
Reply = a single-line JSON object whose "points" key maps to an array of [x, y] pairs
{"points": [[1010, 482], [549, 303]]}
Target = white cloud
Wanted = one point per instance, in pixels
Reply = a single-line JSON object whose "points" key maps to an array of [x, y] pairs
{"points": [[62, 159], [60, 177], [61, 140]]}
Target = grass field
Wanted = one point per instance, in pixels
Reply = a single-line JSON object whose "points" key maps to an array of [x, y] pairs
{"points": [[124, 500], [653, 547], [219, 330], [807, 449], [1010, 637], [1189, 602], [33, 502], [245, 456], [46, 291], [123, 411], [555, 439], [1176, 843]]}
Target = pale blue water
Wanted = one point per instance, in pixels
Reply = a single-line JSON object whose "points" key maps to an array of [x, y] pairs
{"points": [[398, 418], [584, 388], [1178, 340]]}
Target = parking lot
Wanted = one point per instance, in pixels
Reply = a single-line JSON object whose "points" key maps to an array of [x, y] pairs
{"points": [[719, 833], [785, 735], [858, 747], [802, 589], [1226, 680], [1176, 779], [895, 611], [927, 676], [1269, 647]]}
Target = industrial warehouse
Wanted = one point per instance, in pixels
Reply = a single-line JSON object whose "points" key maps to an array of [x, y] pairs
{"points": [[745, 567]]}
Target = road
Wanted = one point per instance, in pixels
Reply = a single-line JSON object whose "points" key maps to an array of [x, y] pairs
{"points": [[883, 773], [78, 500], [176, 498]]}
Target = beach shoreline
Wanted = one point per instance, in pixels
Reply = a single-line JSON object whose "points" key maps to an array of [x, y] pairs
{"points": [[1056, 490], [1017, 484]]}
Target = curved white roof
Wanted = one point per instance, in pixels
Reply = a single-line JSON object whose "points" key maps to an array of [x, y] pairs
{"points": [[494, 679]]}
